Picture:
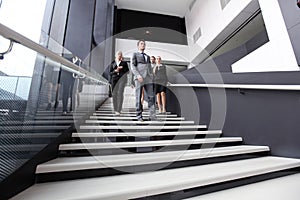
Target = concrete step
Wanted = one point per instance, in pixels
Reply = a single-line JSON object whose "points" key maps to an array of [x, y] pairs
{"points": [[166, 118], [140, 185], [136, 144], [99, 162], [145, 134], [141, 127], [133, 115], [138, 122]]}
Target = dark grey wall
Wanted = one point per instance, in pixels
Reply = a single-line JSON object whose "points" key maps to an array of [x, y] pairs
{"points": [[58, 25], [261, 117], [48, 16], [88, 24], [101, 54], [133, 24], [79, 29], [291, 14]]}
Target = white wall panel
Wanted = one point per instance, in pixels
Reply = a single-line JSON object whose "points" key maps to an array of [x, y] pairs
{"points": [[213, 21], [217, 23], [277, 54]]}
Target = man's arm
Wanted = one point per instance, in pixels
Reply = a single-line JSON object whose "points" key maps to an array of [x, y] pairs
{"points": [[111, 69], [165, 73], [125, 67], [133, 65]]}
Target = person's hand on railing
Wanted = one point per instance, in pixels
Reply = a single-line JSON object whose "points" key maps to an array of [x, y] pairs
{"points": [[78, 76]]}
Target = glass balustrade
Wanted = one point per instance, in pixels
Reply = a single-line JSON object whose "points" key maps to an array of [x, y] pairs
{"points": [[41, 98]]}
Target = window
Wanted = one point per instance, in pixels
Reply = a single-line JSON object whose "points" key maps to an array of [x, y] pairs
{"points": [[24, 17], [197, 35]]}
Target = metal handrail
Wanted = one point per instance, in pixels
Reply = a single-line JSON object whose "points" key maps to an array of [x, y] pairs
{"points": [[18, 38], [11, 44], [241, 86]]}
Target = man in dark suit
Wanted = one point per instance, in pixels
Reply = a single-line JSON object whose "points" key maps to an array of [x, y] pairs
{"points": [[118, 72], [67, 80], [143, 76]]}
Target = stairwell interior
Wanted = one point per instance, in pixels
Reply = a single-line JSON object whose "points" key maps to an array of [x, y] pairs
{"points": [[91, 153], [117, 157]]}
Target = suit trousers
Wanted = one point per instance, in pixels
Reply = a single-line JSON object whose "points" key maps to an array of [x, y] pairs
{"points": [[118, 86], [148, 88], [68, 92]]}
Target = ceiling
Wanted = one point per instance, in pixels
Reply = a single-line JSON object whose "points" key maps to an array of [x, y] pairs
{"points": [[166, 7]]}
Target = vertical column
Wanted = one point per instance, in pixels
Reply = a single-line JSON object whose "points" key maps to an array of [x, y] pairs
{"points": [[58, 26], [78, 37], [101, 55]]}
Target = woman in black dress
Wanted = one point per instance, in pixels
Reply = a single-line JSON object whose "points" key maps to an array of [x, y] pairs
{"points": [[160, 81]]}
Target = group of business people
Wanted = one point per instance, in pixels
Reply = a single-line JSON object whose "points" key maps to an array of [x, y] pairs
{"points": [[149, 76]]}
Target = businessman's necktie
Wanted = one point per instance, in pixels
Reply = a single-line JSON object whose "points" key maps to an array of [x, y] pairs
{"points": [[144, 55]]}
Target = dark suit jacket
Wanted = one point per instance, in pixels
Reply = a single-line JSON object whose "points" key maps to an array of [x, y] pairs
{"points": [[117, 75], [160, 76], [140, 66]]}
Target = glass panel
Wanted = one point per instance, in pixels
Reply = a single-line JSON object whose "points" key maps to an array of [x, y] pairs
{"points": [[19, 62], [23, 87], [8, 87], [34, 92]]}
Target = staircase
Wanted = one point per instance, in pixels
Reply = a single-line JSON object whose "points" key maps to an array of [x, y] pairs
{"points": [[117, 157]]}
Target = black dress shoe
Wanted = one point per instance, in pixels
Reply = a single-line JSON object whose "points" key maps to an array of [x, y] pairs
{"points": [[48, 106], [140, 119], [153, 119], [56, 104]]}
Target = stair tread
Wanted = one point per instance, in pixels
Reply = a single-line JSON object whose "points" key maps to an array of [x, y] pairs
{"points": [[133, 115], [133, 118], [286, 187], [127, 112], [34, 127], [58, 117], [113, 145], [30, 135], [145, 134], [137, 122], [152, 183], [53, 112], [142, 127], [97, 162], [37, 122], [22, 147]]}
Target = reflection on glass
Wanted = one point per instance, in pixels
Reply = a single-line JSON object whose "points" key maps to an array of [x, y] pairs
{"points": [[34, 91]]}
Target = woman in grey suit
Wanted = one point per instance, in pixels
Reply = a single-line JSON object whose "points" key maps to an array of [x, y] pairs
{"points": [[143, 76]]}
